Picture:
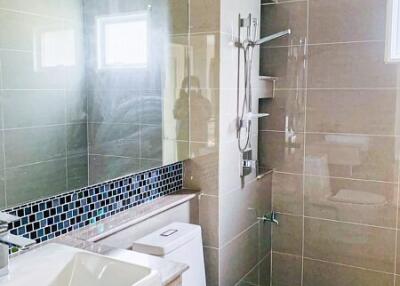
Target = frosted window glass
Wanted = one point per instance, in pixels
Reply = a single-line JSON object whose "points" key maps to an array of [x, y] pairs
{"points": [[57, 48], [123, 41]]}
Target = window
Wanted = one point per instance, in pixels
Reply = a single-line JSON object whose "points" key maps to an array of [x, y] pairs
{"points": [[393, 31], [122, 41], [54, 48]]}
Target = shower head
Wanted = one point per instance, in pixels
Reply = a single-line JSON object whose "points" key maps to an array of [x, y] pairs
{"points": [[272, 37]]}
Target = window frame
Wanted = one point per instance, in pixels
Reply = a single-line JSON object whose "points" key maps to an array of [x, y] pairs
{"points": [[392, 49], [101, 21]]}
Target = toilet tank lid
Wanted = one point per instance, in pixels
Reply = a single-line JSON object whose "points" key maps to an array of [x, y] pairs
{"points": [[167, 239]]}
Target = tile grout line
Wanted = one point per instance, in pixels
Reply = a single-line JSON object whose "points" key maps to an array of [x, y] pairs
{"points": [[326, 44], [66, 140], [189, 83], [334, 263], [304, 138], [252, 269], [281, 2], [338, 178], [239, 235], [396, 231], [3, 139], [338, 221], [272, 228], [388, 88], [333, 133], [87, 133]]}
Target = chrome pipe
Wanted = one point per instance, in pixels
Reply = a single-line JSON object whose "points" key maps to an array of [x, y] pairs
{"points": [[272, 37]]}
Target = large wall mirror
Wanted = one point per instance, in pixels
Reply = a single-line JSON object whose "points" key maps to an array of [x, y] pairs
{"points": [[90, 90]]}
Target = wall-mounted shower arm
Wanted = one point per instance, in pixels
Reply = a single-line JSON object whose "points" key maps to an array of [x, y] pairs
{"points": [[272, 37]]}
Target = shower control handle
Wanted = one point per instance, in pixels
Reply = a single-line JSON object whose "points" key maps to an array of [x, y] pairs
{"points": [[270, 217]]}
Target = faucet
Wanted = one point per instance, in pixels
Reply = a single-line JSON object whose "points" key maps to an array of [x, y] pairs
{"points": [[7, 238]]}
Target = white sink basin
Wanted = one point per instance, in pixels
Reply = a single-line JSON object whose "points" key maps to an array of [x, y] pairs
{"points": [[60, 265]]}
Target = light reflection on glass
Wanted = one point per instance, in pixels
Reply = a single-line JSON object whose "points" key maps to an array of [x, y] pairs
{"points": [[55, 49], [122, 41]]}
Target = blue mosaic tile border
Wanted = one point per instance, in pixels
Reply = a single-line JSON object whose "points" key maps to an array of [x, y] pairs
{"points": [[51, 217]]}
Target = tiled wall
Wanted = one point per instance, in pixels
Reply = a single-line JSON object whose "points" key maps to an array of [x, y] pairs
{"points": [[202, 170], [244, 241], [65, 125], [48, 218], [43, 113], [332, 139], [236, 245], [125, 106]]}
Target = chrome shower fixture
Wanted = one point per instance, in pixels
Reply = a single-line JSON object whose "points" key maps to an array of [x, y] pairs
{"points": [[244, 112], [272, 37]]}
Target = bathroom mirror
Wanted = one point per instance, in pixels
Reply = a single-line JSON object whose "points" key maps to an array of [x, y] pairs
{"points": [[90, 90]]}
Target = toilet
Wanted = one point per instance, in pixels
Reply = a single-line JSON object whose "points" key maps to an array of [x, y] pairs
{"points": [[180, 242]]}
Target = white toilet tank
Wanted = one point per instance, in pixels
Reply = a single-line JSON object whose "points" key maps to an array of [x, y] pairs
{"points": [[180, 242]]}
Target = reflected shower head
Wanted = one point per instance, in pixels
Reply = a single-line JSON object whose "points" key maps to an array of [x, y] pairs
{"points": [[272, 37]]}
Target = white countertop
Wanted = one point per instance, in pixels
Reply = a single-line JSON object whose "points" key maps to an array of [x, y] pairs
{"points": [[86, 237]]}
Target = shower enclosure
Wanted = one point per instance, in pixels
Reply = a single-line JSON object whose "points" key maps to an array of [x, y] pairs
{"points": [[332, 141]]}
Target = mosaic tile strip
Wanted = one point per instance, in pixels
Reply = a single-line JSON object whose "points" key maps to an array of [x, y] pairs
{"points": [[51, 217]]}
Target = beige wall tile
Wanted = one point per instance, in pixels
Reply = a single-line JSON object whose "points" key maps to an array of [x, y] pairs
{"points": [[341, 21], [286, 111], [204, 58], [211, 260], [229, 165], [352, 156], [328, 274], [270, 2], [265, 236], [398, 253], [179, 16], [287, 236], [352, 111], [265, 271], [287, 192], [357, 245], [291, 15], [239, 257], [204, 115], [239, 209], [202, 149], [351, 200], [351, 65], [281, 151], [286, 270], [251, 278], [201, 173], [204, 16], [259, 275], [208, 218], [285, 63]]}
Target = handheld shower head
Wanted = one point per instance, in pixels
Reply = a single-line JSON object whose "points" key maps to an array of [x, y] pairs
{"points": [[272, 37]]}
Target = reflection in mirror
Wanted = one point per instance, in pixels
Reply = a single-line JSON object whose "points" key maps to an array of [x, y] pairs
{"points": [[91, 90]]}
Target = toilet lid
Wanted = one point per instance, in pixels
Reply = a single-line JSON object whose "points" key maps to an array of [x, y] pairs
{"points": [[167, 239]]}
